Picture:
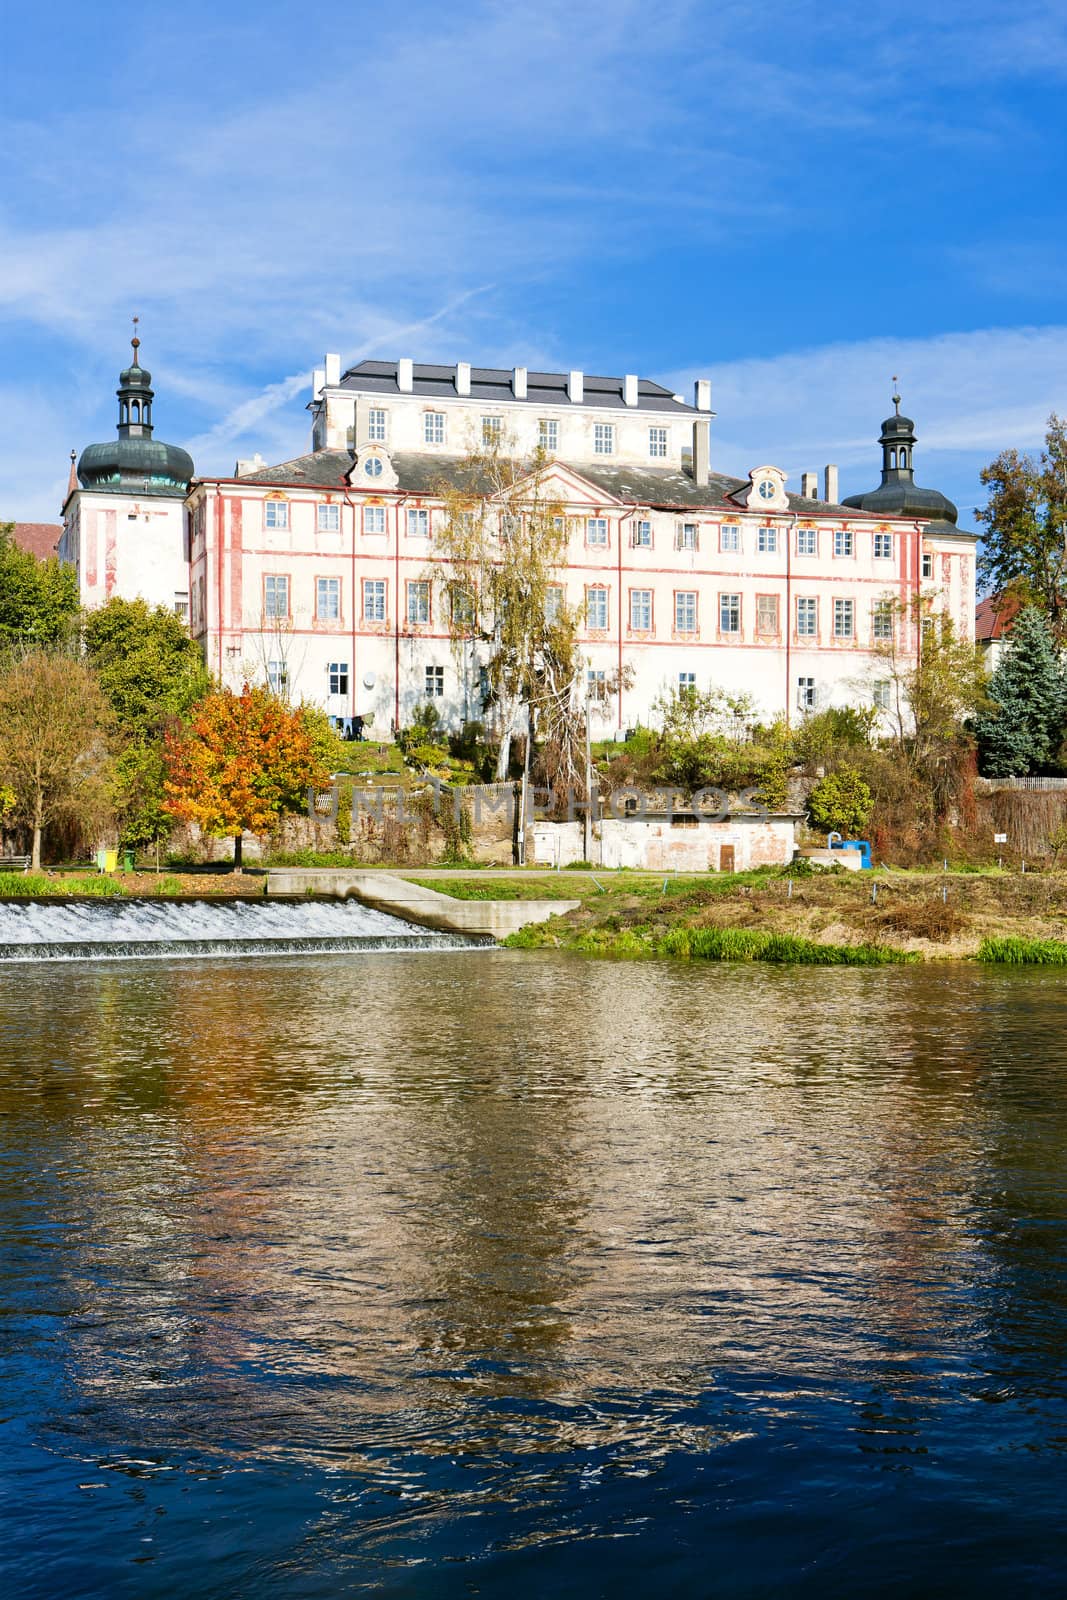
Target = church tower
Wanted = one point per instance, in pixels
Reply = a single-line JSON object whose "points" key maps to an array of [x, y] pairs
{"points": [[898, 495]]}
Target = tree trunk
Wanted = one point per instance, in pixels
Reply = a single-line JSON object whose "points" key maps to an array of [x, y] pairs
{"points": [[237, 866], [503, 759], [35, 863]]}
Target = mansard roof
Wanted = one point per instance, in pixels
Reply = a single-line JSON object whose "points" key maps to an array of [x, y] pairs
{"points": [[420, 473], [495, 384]]}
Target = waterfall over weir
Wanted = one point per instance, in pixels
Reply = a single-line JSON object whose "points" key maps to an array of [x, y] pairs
{"points": [[111, 930]]}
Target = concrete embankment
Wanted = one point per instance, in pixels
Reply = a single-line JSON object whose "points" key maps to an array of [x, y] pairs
{"points": [[387, 892]]}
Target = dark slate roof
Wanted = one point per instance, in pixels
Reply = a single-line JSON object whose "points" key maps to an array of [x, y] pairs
{"points": [[644, 486], [494, 384]]}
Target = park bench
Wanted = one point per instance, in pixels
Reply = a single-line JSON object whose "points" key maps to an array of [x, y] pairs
{"points": [[14, 863]]}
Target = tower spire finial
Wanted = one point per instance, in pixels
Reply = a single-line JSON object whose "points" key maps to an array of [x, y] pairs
{"points": [[896, 396], [135, 341]]}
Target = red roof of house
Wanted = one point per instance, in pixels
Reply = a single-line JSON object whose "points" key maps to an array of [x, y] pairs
{"points": [[39, 538], [994, 616]]}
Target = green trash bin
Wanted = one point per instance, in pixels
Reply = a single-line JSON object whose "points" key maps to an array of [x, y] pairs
{"points": [[127, 861]]}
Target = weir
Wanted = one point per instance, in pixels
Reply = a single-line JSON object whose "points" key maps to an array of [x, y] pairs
{"points": [[41, 930], [388, 891]]}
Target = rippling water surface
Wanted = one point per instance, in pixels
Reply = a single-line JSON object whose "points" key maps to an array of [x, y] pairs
{"points": [[506, 1274]]}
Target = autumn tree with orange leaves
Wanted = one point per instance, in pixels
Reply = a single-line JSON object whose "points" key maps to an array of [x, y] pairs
{"points": [[240, 764]]}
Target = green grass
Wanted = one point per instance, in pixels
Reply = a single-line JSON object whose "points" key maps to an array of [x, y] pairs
{"points": [[501, 889], [1014, 952], [36, 886], [714, 944]]}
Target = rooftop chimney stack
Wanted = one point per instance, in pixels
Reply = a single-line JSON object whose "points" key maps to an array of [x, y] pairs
{"points": [[463, 377], [575, 388], [518, 383], [333, 371], [629, 389], [809, 485], [701, 452], [318, 378], [702, 394], [405, 375], [830, 494]]}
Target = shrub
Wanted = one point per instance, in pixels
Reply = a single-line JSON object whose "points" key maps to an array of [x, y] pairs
{"points": [[840, 803]]}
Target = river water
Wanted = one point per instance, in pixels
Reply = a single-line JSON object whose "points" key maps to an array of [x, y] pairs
{"points": [[439, 1273]]}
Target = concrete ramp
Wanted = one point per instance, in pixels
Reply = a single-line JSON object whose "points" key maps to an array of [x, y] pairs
{"points": [[387, 892]]}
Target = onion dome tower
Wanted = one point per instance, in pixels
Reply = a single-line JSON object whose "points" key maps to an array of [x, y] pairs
{"points": [[134, 462], [898, 495]]}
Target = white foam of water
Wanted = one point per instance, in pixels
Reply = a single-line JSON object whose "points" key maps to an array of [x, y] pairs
{"points": [[150, 922]]}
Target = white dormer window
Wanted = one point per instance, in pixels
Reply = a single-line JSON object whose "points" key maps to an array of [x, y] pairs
{"points": [[767, 489]]}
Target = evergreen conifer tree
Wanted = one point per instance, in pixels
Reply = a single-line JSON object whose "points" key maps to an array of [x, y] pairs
{"points": [[1021, 731]]}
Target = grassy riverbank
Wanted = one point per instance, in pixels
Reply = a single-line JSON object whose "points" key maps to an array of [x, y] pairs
{"points": [[883, 916]]}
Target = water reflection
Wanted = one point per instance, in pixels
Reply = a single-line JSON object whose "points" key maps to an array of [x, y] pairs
{"points": [[476, 1255]]}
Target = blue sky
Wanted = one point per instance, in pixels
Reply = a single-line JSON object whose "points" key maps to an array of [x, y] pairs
{"points": [[795, 200]]}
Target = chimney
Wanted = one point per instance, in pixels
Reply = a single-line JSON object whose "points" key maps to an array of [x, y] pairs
{"points": [[463, 377], [702, 394], [318, 378], [518, 383], [701, 452], [333, 371], [809, 485], [576, 387], [405, 375], [629, 389], [830, 494]]}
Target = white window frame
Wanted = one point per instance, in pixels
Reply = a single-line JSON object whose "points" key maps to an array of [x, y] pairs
{"points": [[687, 536], [810, 612], [328, 599], [374, 599], [927, 567], [686, 613], [492, 430], [276, 515], [844, 613], [844, 544], [548, 434], [687, 680], [376, 425], [767, 541], [417, 602], [603, 438], [554, 593], [596, 531], [641, 607], [657, 444], [373, 514], [642, 535], [328, 517], [434, 427], [807, 541], [730, 538], [278, 679], [434, 682], [806, 694], [596, 680], [337, 677], [882, 621], [418, 522], [882, 694], [763, 602], [600, 590], [729, 609], [275, 585], [883, 547]]}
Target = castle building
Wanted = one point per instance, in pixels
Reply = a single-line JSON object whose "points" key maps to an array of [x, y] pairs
{"points": [[321, 575], [124, 517]]}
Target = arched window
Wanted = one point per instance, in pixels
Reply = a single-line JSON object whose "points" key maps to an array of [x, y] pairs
{"points": [[124, 413], [893, 457], [135, 410]]}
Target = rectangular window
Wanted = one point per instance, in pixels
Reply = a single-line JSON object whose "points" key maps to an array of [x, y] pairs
{"points": [[548, 434], [643, 535], [685, 611], [641, 609], [928, 564], [842, 541], [807, 616], [276, 595], [328, 599], [275, 514], [880, 695], [729, 613], [883, 547], [553, 602], [882, 620], [337, 672], [433, 427], [657, 442], [843, 619], [807, 541], [687, 680], [597, 680], [373, 519], [767, 613], [418, 591], [730, 538], [278, 679], [461, 605], [435, 682], [603, 438], [596, 530], [806, 694], [376, 425], [767, 541], [492, 429], [418, 524], [686, 536], [329, 519], [374, 600], [181, 607], [596, 608]]}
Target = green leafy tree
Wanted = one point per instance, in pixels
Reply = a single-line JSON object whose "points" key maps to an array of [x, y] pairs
{"points": [[1024, 549], [55, 726], [38, 599], [841, 802], [1022, 728]]}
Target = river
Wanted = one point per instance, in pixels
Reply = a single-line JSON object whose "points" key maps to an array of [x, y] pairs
{"points": [[449, 1273]]}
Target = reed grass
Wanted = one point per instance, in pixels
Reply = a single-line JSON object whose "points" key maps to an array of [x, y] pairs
{"points": [[1015, 952], [38, 886], [784, 949]]}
